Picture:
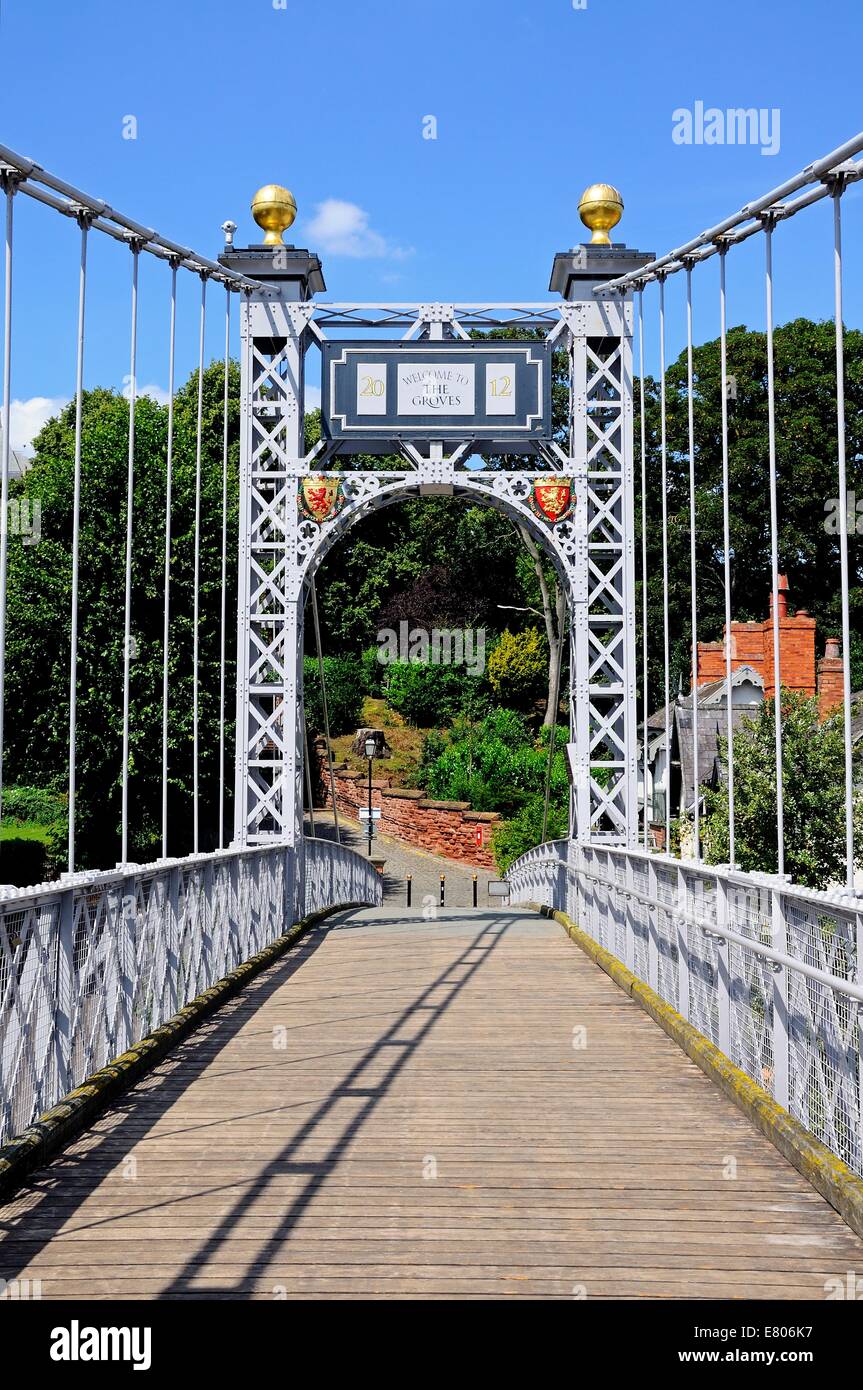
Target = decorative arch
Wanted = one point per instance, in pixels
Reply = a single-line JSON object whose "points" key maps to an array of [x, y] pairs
{"points": [[294, 508], [360, 494]]}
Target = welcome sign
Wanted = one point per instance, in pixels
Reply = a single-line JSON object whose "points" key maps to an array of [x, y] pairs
{"points": [[382, 392]]}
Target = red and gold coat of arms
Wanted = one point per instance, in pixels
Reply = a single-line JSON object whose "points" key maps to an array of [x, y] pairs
{"points": [[320, 498], [552, 498]]}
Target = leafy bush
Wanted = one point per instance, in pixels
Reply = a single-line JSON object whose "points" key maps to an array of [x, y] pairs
{"points": [[433, 745], [813, 758], [495, 764], [33, 840], [518, 668], [24, 804], [373, 672], [426, 694], [514, 837], [345, 693]]}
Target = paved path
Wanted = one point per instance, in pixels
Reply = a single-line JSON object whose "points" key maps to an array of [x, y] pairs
{"points": [[401, 859], [397, 1108]]}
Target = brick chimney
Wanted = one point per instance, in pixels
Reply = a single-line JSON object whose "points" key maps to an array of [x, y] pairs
{"points": [[782, 597], [752, 645], [831, 685]]}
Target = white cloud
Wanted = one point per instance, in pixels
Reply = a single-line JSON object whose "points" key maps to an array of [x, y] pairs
{"points": [[313, 397], [339, 228], [156, 393], [26, 418]]}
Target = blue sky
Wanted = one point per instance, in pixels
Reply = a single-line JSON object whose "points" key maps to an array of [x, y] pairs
{"points": [[533, 101]]}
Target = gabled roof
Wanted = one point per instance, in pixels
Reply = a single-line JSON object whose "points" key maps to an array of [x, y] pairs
{"points": [[711, 693], [712, 722]]}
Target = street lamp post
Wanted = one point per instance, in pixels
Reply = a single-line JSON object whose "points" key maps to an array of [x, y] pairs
{"points": [[371, 749]]}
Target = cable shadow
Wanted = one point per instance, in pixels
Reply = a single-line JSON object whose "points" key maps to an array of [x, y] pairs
{"points": [[318, 1170], [67, 1180]]}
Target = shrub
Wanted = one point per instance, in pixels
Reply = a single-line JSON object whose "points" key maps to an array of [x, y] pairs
{"points": [[514, 837], [494, 764], [345, 693], [518, 668], [373, 672], [26, 804], [426, 694], [813, 756], [433, 745]]}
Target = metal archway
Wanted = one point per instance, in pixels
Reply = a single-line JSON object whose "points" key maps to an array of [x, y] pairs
{"points": [[282, 540]]}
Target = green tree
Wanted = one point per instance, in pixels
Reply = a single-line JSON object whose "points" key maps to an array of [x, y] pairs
{"points": [[39, 604], [515, 837], [813, 773], [517, 667], [807, 474]]}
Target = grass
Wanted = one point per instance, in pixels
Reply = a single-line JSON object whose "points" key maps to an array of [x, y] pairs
{"points": [[25, 830], [405, 741]]}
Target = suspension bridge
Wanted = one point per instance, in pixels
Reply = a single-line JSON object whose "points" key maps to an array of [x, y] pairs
{"points": [[249, 1072]]}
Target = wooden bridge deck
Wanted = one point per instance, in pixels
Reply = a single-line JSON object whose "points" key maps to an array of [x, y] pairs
{"points": [[397, 1109]]}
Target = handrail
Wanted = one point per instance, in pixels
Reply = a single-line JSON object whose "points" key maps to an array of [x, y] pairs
{"points": [[73, 201], [712, 928], [707, 243]]}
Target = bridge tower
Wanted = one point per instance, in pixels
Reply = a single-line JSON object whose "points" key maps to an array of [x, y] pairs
{"points": [[268, 795], [604, 727], [478, 426]]}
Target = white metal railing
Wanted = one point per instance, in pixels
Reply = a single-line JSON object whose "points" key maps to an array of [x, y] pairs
{"points": [[768, 971], [92, 964]]}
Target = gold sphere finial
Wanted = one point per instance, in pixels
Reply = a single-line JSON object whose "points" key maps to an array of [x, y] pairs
{"points": [[600, 208], [274, 209]]}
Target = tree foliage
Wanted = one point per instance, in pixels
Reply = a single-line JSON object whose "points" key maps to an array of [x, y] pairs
{"points": [[813, 773], [517, 667], [39, 608], [515, 837], [806, 460], [345, 686], [494, 764]]}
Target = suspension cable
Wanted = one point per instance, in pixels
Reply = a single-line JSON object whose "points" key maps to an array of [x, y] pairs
{"points": [[837, 190], [130, 499], [224, 571], [774, 546], [309, 795], [726, 546], [64, 197], [169, 487], [693, 596], [555, 702], [323, 679], [644, 694], [665, 636], [9, 184], [76, 538], [196, 597]]}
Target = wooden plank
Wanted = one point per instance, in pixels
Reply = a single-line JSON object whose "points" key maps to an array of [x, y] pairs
{"points": [[397, 1110]]}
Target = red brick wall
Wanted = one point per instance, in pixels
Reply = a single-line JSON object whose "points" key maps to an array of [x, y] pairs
{"points": [[448, 828]]}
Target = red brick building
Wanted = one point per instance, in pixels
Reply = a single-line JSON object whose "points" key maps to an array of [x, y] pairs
{"points": [[752, 681], [752, 646]]}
